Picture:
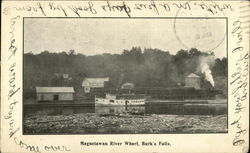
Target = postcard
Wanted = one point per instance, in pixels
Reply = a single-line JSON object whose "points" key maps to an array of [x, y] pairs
{"points": [[125, 76]]}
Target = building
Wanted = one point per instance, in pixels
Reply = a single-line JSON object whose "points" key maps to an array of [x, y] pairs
{"points": [[62, 75], [55, 93], [193, 80], [65, 76], [127, 85], [89, 84]]}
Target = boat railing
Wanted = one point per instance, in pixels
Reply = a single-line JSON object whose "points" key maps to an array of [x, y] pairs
{"points": [[122, 96], [139, 96]]}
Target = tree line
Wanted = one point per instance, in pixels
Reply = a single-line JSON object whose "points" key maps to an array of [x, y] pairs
{"points": [[144, 67]]}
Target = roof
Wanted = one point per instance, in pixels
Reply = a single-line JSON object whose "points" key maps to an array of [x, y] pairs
{"points": [[127, 85], [65, 76], [192, 75], [94, 82], [55, 90]]}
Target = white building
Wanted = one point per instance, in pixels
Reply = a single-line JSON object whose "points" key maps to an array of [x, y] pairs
{"points": [[127, 85], [93, 83], [55, 93], [193, 80]]}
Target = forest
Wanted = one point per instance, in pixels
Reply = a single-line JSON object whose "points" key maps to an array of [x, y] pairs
{"points": [[144, 67]]}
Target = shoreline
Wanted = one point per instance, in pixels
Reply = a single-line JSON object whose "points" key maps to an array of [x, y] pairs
{"points": [[91, 123], [92, 103]]}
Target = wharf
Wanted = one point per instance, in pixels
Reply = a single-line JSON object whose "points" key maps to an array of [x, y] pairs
{"points": [[149, 102], [63, 104]]}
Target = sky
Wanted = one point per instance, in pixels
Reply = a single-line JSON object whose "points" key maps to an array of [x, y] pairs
{"points": [[92, 36]]}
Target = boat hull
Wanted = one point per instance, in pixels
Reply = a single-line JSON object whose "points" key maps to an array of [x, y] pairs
{"points": [[119, 102]]}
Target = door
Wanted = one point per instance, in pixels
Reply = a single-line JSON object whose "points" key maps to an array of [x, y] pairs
{"points": [[42, 98], [56, 97]]}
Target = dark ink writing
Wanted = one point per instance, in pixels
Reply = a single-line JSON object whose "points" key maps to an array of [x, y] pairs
{"points": [[54, 7], [240, 132], [165, 6], [12, 47], [26, 146], [77, 9], [185, 5], [9, 117], [122, 7], [238, 31], [13, 89], [239, 84], [27, 8], [56, 148], [214, 8], [114, 8], [240, 80], [150, 6]]}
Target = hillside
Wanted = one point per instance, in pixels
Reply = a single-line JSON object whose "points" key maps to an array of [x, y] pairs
{"points": [[143, 67]]}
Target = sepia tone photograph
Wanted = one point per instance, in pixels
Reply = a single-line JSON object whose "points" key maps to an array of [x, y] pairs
{"points": [[125, 76]]}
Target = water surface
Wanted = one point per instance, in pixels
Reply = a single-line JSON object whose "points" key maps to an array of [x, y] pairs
{"points": [[171, 109]]}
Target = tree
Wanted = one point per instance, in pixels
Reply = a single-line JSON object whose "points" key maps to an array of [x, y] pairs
{"points": [[144, 68]]}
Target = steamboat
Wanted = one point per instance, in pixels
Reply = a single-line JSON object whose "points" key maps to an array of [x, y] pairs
{"points": [[119, 100]]}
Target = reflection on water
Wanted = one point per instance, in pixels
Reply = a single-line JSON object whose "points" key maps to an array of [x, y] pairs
{"points": [[174, 109]]}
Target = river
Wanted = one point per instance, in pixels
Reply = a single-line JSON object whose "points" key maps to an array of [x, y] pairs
{"points": [[168, 109]]}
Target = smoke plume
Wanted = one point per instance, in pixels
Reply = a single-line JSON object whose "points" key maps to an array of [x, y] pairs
{"points": [[205, 63]]}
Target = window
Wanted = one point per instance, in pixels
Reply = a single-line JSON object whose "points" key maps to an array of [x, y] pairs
{"points": [[111, 110], [56, 97], [42, 97]]}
